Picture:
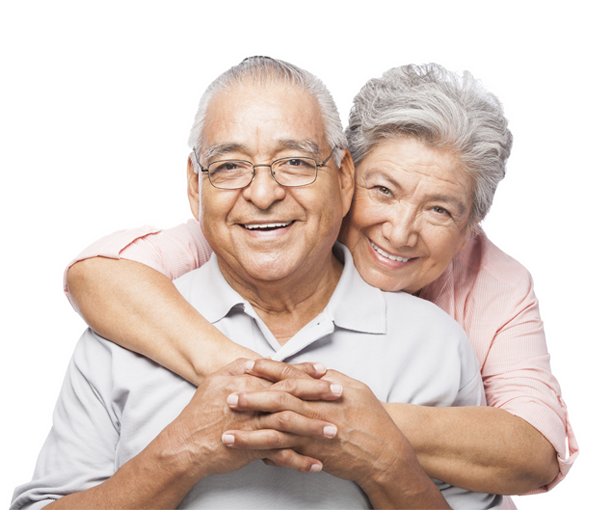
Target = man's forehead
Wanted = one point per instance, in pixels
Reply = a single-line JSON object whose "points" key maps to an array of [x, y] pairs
{"points": [[274, 117]]}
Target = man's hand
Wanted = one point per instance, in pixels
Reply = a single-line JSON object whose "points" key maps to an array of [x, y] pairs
{"points": [[368, 448], [365, 432], [198, 433]]}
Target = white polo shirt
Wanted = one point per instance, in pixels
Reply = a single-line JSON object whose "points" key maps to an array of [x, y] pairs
{"points": [[114, 402]]}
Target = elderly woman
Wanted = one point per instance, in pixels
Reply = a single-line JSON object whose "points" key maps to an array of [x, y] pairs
{"points": [[430, 149]]}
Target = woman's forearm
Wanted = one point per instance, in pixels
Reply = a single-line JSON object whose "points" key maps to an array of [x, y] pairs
{"points": [[482, 449], [140, 309]]}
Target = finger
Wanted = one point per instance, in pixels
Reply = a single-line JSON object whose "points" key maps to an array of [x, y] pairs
{"points": [[293, 460], [278, 416], [266, 401], [315, 369], [237, 367], [309, 389], [263, 439], [277, 371]]}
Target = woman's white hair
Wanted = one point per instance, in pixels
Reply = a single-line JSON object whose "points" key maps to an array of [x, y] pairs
{"points": [[265, 71], [441, 109]]}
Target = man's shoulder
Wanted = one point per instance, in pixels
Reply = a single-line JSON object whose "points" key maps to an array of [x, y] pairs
{"points": [[106, 365], [405, 311], [198, 281], [359, 303]]}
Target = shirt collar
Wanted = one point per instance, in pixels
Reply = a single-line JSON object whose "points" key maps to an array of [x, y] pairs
{"points": [[222, 297], [355, 305]]}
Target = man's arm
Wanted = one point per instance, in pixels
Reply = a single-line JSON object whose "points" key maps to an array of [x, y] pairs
{"points": [[190, 448], [158, 477]]}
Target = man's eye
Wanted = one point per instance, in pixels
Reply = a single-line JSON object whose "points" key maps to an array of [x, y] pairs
{"points": [[229, 169], [384, 190], [296, 162], [227, 165]]}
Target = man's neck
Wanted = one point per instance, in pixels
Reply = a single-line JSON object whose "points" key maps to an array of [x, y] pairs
{"points": [[286, 306]]}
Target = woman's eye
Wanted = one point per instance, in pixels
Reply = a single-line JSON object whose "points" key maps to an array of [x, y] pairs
{"points": [[440, 210]]}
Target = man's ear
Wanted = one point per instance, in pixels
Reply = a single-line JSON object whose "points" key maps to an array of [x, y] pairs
{"points": [[193, 189], [347, 180]]}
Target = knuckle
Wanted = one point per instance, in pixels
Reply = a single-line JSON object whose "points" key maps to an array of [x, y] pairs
{"points": [[284, 457], [289, 385], [287, 371], [274, 439], [285, 420], [307, 368]]}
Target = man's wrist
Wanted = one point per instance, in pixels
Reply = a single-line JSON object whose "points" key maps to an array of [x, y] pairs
{"points": [[393, 490]]}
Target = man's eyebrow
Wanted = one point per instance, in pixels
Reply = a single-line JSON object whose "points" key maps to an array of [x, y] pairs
{"points": [[306, 146], [219, 149]]}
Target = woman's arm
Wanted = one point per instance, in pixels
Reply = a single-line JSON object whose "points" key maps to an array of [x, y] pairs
{"points": [[482, 449], [477, 448], [141, 310]]}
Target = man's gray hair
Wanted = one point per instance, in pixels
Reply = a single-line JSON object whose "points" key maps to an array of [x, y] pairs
{"points": [[266, 71], [442, 109]]}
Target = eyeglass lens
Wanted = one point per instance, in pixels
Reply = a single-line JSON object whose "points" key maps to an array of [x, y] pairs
{"points": [[234, 174]]}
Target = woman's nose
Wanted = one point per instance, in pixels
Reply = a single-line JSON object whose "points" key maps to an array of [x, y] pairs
{"points": [[402, 229]]}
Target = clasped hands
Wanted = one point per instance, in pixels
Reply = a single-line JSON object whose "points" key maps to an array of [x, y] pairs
{"points": [[302, 417]]}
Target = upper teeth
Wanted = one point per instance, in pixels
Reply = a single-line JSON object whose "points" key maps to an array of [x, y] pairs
{"points": [[268, 225], [391, 257]]}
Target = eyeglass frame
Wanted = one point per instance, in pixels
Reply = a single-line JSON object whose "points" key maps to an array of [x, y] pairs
{"points": [[317, 166]]}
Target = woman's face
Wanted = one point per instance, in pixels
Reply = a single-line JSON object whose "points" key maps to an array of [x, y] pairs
{"points": [[410, 214]]}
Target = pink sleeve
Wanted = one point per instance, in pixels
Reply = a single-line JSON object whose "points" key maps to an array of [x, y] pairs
{"points": [[173, 252], [518, 379]]}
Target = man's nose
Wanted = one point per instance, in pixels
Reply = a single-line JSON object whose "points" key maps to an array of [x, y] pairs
{"points": [[264, 190]]}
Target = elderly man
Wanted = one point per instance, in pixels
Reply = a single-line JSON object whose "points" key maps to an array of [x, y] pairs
{"points": [[274, 186]]}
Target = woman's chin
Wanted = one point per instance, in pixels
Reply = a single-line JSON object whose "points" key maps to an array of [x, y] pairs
{"points": [[383, 281]]}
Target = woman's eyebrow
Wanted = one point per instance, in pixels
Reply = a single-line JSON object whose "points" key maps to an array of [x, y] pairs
{"points": [[451, 200], [439, 197]]}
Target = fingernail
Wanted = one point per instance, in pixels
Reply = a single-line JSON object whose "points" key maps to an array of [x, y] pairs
{"points": [[320, 368], [329, 431], [315, 468], [336, 389], [249, 365], [228, 439], [232, 399]]}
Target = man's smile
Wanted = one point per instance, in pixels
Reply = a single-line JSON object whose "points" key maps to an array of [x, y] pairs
{"points": [[266, 226]]}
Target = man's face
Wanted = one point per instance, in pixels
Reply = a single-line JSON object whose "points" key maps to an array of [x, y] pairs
{"points": [[266, 231]]}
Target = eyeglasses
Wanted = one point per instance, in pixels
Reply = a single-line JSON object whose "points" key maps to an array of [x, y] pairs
{"points": [[289, 172]]}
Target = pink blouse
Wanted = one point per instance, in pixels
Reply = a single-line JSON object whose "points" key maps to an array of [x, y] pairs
{"points": [[489, 293]]}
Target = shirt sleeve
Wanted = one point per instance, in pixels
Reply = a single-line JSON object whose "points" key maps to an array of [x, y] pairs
{"points": [[517, 375], [79, 452], [173, 252]]}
